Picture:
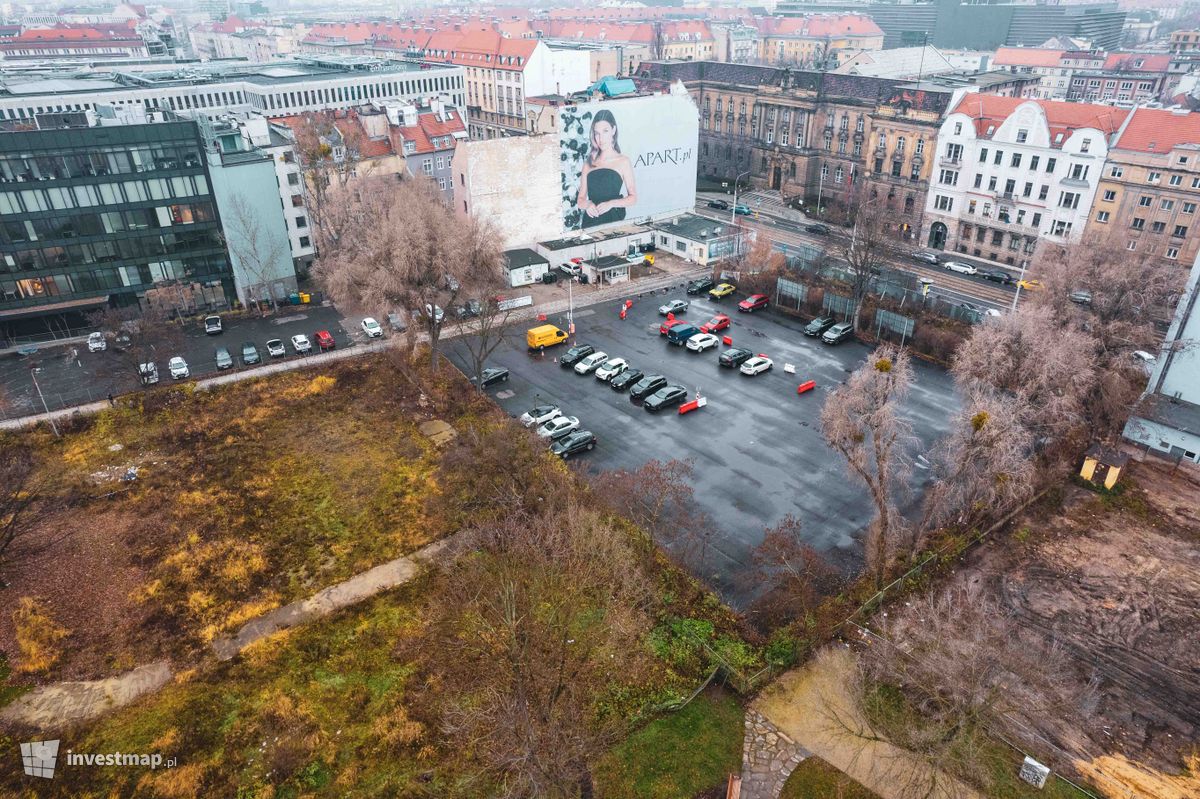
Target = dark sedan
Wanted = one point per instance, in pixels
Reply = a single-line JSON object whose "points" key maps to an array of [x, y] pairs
{"points": [[579, 441], [721, 204], [700, 286], [817, 229], [819, 325], [576, 354], [997, 276], [493, 375], [734, 357], [647, 386], [623, 381], [665, 398]]}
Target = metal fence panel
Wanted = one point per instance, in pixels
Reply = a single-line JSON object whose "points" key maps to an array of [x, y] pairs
{"points": [[789, 293], [837, 304], [889, 320]]}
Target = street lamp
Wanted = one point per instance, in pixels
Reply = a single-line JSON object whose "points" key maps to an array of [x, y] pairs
{"points": [[733, 211], [1020, 280], [33, 374]]}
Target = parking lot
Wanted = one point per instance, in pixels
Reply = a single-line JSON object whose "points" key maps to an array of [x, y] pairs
{"points": [[69, 379], [756, 447]]}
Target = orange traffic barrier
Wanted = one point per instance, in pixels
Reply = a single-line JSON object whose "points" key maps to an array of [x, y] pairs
{"points": [[727, 341], [541, 317], [622, 313], [688, 407], [806, 386]]}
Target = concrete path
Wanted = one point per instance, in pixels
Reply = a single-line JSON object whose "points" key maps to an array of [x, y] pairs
{"points": [[769, 756], [55, 706]]}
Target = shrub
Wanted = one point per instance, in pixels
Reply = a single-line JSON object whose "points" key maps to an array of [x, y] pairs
{"points": [[38, 636]]}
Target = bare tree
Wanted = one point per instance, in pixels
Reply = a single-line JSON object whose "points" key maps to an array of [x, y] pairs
{"points": [[482, 333], [658, 42], [869, 249], [20, 498], [861, 420], [257, 252], [793, 575], [392, 244], [137, 338], [983, 467], [543, 616]]}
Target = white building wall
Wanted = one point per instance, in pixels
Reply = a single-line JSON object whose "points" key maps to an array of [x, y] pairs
{"points": [[513, 183], [557, 71], [1049, 202]]}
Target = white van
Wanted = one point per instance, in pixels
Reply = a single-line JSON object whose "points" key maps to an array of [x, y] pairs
{"points": [[149, 373]]}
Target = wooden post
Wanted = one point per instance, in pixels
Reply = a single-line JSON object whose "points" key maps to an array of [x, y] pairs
{"points": [[733, 789]]}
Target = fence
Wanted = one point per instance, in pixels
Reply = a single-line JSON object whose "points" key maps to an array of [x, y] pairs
{"points": [[790, 294]]}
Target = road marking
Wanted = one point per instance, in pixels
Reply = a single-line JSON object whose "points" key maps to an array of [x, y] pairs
{"points": [[507, 393], [283, 320]]}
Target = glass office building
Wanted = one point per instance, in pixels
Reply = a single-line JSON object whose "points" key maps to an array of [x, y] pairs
{"points": [[97, 213]]}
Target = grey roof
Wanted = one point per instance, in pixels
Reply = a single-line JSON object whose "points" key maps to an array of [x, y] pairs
{"points": [[592, 236], [522, 257], [1175, 413], [696, 228]]}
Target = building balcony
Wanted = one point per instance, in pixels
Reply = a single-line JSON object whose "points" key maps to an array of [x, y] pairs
{"points": [[1006, 196], [1075, 182], [947, 161]]}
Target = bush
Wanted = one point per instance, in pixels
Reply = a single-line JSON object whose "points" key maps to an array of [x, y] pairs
{"points": [[38, 636]]}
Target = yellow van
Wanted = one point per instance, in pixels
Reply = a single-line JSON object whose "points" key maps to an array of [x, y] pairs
{"points": [[543, 336]]}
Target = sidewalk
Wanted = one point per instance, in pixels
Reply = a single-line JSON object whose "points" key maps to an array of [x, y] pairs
{"points": [[583, 298]]}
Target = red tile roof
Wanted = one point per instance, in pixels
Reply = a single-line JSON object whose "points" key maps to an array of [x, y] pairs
{"points": [[1062, 117], [1157, 130], [483, 48], [1128, 62], [119, 33], [429, 127], [1027, 57], [818, 25]]}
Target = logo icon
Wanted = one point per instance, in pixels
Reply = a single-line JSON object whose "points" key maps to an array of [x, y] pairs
{"points": [[39, 758]]}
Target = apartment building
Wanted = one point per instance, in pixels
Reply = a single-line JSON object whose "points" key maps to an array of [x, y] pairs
{"points": [[1053, 74], [1185, 42], [1128, 78], [1149, 188], [234, 37], [815, 40], [734, 40], [74, 42], [1011, 173]]}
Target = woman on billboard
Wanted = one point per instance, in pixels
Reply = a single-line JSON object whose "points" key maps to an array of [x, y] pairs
{"points": [[606, 186]]}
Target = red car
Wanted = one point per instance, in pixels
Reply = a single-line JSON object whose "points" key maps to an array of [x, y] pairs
{"points": [[718, 322], [670, 323], [324, 340], [753, 303]]}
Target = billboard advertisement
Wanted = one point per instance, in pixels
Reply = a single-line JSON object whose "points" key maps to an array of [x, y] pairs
{"points": [[626, 160]]}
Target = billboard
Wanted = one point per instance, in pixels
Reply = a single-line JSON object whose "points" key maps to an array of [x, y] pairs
{"points": [[626, 160]]}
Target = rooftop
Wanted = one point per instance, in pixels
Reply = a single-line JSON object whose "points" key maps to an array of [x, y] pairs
{"points": [[522, 257], [695, 227], [1158, 130], [989, 111], [1027, 57]]}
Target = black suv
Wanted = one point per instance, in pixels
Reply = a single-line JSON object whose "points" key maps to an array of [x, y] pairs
{"points": [[665, 398], [817, 228], [576, 354], [647, 386], [996, 276], [721, 204], [819, 325], [700, 286], [626, 379], [734, 357], [492, 375], [568, 445]]}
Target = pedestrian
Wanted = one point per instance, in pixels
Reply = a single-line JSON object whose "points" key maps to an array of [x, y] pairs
{"points": [[111, 402]]}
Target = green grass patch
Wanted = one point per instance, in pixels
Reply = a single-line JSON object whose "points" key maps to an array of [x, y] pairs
{"points": [[679, 754], [816, 779]]}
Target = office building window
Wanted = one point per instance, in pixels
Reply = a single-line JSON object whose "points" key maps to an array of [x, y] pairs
{"points": [[1102, 216]]}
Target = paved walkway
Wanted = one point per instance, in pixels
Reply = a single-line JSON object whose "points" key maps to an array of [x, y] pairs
{"points": [[55, 706], [769, 756]]}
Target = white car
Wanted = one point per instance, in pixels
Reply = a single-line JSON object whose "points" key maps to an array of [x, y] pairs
{"points": [[97, 342], [991, 313], [757, 365], [179, 368], [674, 306], [961, 268], [558, 427], [300, 343], [591, 363], [611, 368], [702, 341], [275, 348], [435, 313], [539, 415], [372, 328]]}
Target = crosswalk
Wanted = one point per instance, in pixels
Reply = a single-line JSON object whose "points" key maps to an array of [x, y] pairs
{"points": [[768, 202]]}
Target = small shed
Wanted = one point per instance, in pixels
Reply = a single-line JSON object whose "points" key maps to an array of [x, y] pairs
{"points": [[524, 266], [607, 269], [1102, 466]]}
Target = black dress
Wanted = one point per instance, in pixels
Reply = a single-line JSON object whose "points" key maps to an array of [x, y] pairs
{"points": [[604, 185]]}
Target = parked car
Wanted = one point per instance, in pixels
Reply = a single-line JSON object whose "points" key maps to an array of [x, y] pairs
{"points": [[122, 340], [397, 322], [626, 379], [666, 326], [250, 353], [223, 358], [817, 229], [742, 210], [97, 342], [722, 205], [557, 427], [178, 368], [960, 267], [647, 386], [722, 290], [300, 343], [371, 328], [468, 309], [324, 340], [1081, 297], [718, 322], [574, 443], [926, 257], [611, 368], [702, 342], [700, 285], [665, 397], [673, 307], [540, 414], [148, 373], [753, 303], [756, 365], [819, 325], [591, 363], [571, 269], [838, 333], [212, 325], [576, 354], [679, 334], [275, 348], [996, 276], [435, 313], [734, 357], [493, 375]]}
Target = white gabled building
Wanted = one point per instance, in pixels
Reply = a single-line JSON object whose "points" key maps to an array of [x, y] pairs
{"points": [[1010, 172]]}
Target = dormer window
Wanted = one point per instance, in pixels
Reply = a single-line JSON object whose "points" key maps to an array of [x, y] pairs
{"points": [[1085, 145], [1058, 137], [991, 129]]}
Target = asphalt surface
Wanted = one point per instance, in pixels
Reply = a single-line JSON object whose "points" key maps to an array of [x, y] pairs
{"points": [[756, 447], [70, 375]]}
